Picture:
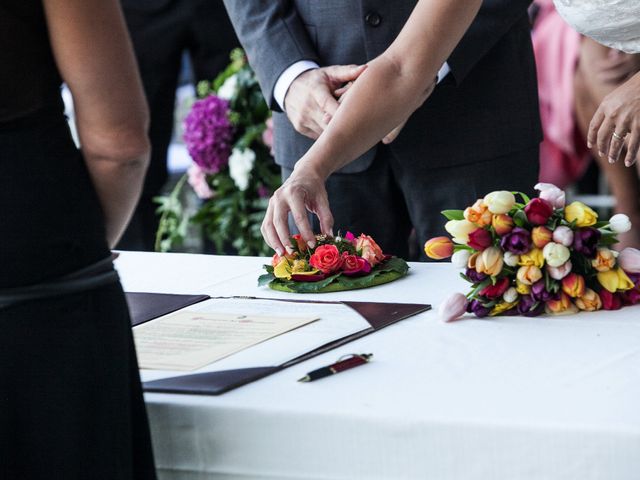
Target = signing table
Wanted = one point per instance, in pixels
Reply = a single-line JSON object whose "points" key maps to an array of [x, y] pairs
{"points": [[503, 398]]}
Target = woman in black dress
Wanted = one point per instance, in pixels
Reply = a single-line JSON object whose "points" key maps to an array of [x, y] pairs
{"points": [[71, 406]]}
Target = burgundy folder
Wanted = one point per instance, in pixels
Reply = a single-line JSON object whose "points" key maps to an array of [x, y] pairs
{"points": [[378, 315]]}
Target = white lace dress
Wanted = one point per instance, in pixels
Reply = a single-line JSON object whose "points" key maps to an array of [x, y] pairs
{"points": [[614, 23]]}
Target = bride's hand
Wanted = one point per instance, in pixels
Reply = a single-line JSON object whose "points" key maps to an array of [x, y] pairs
{"points": [[302, 192], [616, 123]]}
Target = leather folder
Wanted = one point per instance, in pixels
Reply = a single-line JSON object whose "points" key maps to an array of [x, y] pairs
{"points": [[147, 306], [378, 315]]}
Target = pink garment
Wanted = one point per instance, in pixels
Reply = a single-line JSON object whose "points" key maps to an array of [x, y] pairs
{"points": [[563, 154]]}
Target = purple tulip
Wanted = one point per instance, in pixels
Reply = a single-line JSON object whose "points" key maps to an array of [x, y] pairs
{"points": [[540, 293], [527, 306], [475, 276], [634, 277], [585, 241], [517, 241], [478, 309]]}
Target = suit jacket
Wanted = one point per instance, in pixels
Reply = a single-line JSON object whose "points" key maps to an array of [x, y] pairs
{"points": [[486, 107]]}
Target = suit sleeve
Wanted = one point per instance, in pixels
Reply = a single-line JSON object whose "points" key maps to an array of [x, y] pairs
{"points": [[273, 37], [494, 20]]}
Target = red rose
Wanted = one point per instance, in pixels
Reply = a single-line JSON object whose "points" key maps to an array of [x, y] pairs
{"points": [[538, 211], [326, 258], [480, 239], [495, 291], [354, 265], [610, 301]]}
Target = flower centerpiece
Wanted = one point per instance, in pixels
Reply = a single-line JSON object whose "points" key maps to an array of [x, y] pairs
{"points": [[536, 256], [334, 264], [228, 134]]}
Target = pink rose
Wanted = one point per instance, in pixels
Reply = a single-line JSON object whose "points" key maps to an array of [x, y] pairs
{"points": [[353, 265], [369, 250], [198, 181], [326, 258]]}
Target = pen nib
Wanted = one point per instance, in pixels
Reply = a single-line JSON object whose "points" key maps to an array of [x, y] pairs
{"points": [[304, 379]]}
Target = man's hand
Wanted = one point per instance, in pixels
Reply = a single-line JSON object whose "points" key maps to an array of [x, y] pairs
{"points": [[302, 192], [309, 102]]}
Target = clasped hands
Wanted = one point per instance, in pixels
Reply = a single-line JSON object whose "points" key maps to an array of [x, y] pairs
{"points": [[310, 104]]}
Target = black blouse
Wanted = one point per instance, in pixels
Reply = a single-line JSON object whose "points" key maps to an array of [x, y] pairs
{"points": [[29, 79]]}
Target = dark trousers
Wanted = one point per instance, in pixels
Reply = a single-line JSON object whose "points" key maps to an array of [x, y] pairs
{"points": [[391, 198], [160, 35]]}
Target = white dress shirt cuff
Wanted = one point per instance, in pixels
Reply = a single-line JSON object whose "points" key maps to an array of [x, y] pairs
{"points": [[294, 71], [288, 76], [444, 71]]}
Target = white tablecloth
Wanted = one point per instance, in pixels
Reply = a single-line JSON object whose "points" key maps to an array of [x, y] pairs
{"points": [[507, 398]]}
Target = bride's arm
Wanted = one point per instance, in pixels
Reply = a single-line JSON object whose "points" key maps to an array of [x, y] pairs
{"points": [[394, 85]]}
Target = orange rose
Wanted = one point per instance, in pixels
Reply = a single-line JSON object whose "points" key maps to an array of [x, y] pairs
{"points": [[369, 249], [326, 258], [478, 213]]}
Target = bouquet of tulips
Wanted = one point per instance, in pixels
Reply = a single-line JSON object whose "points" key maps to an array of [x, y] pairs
{"points": [[527, 257], [333, 264]]}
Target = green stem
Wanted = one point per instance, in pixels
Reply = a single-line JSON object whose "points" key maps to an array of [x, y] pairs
{"points": [[175, 193]]}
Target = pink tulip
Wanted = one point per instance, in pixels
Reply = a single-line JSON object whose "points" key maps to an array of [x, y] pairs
{"points": [[453, 307], [629, 260], [558, 273], [551, 194], [563, 235]]}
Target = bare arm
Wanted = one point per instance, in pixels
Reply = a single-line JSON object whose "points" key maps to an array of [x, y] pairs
{"points": [[394, 85], [94, 55]]}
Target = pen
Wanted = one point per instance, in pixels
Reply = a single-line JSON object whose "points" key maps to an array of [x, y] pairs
{"points": [[343, 363]]}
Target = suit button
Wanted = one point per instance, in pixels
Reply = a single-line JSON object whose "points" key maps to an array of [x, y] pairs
{"points": [[373, 19]]}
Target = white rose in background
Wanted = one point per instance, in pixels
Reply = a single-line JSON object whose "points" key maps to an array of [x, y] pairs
{"points": [[499, 202], [620, 223], [551, 194], [240, 166], [460, 258], [228, 89]]}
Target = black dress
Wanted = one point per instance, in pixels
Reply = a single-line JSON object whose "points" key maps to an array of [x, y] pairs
{"points": [[71, 405]]}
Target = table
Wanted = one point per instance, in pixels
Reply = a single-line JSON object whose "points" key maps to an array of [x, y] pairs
{"points": [[507, 398]]}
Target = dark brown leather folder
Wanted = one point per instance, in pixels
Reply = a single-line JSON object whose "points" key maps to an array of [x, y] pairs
{"points": [[379, 316], [147, 306]]}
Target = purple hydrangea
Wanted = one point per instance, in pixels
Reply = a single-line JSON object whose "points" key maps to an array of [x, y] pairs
{"points": [[208, 133], [517, 241]]}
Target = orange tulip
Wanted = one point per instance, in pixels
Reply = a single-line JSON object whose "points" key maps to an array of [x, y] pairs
{"points": [[589, 302], [439, 248], [562, 306], [502, 224], [573, 285], [478, 214], [541, 236], [604, 260]]}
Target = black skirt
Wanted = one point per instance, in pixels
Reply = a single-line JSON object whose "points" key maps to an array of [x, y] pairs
{"points": [[71, 405]]}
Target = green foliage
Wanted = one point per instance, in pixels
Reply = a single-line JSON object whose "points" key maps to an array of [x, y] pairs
{"points": [[388, 271], [231, 219], [453, 214]]}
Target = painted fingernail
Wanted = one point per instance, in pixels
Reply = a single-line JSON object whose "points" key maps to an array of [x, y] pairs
{"points": [[601, 154], [311, 244], [289, 248], [279, 251], [612, 160], [589, 145]]}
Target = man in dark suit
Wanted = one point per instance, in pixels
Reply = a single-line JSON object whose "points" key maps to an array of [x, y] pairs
{"points": [[161, 31], [479, 130]]}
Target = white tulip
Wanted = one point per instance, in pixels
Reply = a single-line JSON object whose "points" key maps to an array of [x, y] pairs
{"points": [[460, 258], [499, 202], [555, 254], [563, 235], [620, 223], [511, 295], [511, 259], [460, 230]]}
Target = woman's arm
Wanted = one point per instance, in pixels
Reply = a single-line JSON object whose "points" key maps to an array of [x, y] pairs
{"points": [[94, 55], [394, 85]]}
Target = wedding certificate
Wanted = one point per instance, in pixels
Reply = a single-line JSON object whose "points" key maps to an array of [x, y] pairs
{"points": [[190, 339]]}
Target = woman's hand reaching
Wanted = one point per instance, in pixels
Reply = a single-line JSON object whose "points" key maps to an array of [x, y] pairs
{"points": [[616, 124]]}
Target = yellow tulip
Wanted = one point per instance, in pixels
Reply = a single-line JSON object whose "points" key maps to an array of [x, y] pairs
{"points": [[532, 257], [581, 214], [501, 308], [523, 288], [283, 269]]}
